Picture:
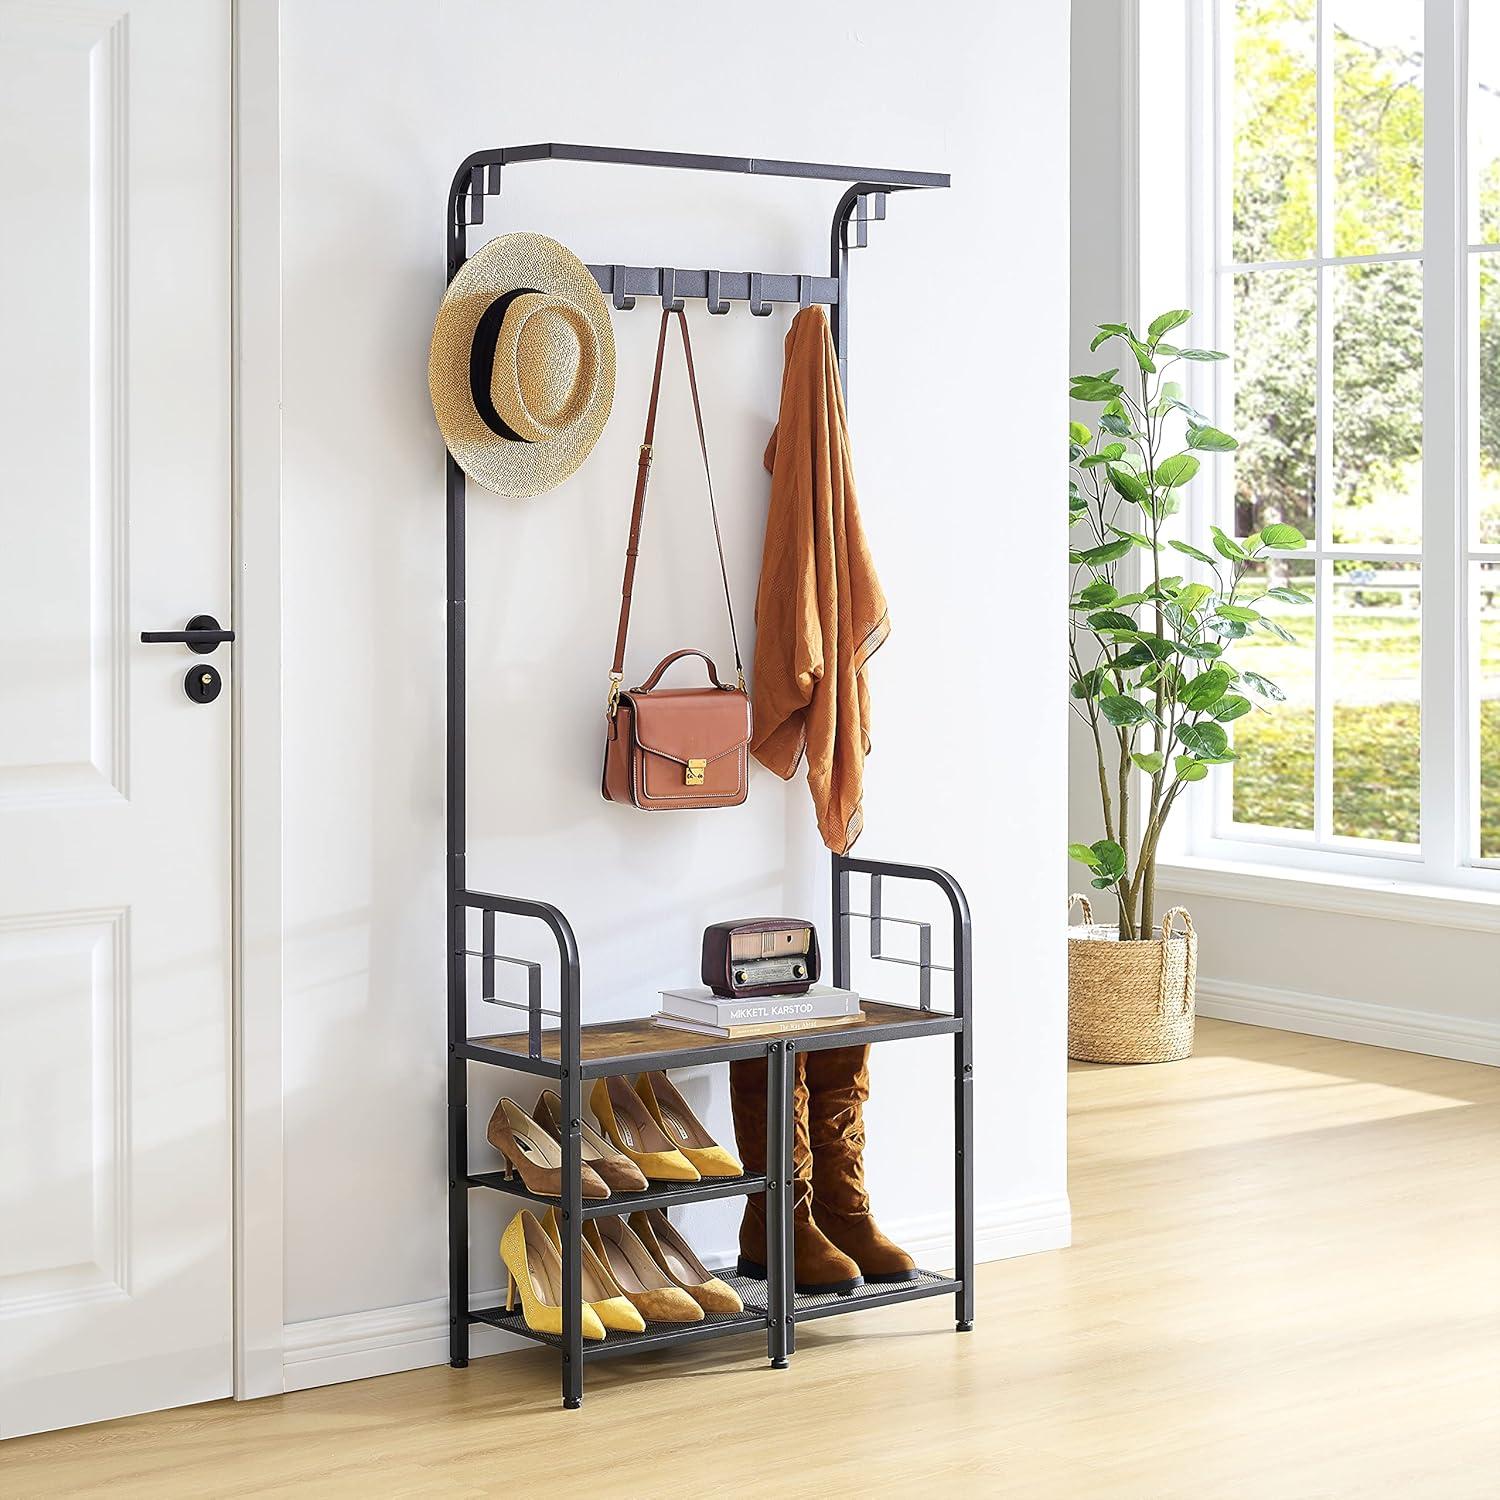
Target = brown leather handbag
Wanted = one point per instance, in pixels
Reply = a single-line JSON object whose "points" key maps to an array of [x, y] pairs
{"points": [[675, 747]]}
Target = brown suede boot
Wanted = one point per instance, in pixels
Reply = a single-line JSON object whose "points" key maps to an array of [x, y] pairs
{"points": [[818, 1266], [838, 1083]]}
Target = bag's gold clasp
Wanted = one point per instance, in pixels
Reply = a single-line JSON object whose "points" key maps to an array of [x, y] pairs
{"points": [[695, 770], [613, 701]]}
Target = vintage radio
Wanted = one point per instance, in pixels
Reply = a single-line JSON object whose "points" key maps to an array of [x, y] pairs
{"points": [[760, 956]]}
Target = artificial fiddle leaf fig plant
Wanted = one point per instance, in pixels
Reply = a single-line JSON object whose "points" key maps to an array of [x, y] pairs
{"points": [[1150, 649]]}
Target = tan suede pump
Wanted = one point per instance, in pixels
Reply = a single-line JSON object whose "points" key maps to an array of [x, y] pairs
{"points": [[670, 1110], [618, 1171], [636, 1272], [533, 1155], [680, 1261]]}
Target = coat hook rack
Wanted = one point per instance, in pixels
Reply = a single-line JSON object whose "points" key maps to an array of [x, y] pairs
{"points": [[559, 1055]]}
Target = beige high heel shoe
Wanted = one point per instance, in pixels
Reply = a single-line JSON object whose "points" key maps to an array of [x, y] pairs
{"points": [[618, 1171], [533, 1155], [628, 1123], [600, 1290], [680, 1261], [637, 1274], [534, 1268], [684, 1129]]}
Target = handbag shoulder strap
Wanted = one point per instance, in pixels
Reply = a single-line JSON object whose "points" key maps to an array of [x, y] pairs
{"points": [[638, 509]]}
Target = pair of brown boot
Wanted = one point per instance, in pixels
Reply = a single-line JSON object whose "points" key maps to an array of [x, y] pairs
{"points": [[837, 1245]]}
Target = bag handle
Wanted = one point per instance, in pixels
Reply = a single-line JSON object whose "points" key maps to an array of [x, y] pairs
{"points": [[666, 661], [1179, 913], [1079, 900], [638, 508]]}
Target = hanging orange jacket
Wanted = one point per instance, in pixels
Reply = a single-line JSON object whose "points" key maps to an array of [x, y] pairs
{"points": [[820, 612]]}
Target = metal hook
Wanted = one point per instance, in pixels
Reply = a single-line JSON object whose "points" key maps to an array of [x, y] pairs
{"points": [[670, 301], [617, 290], [759, 307], [716, 304]]}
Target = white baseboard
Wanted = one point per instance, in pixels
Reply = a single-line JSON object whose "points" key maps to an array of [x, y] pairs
{"points": [[1458, 1037], [354, 1346]]}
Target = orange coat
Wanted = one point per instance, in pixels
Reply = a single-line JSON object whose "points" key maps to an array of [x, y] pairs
{"points": [[820, 613]]}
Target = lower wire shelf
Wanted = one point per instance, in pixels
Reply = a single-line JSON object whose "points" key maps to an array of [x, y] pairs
{"points": [[806, 1307]]}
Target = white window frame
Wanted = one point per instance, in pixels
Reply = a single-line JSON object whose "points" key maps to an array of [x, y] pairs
{"points": [[1448, 852]]}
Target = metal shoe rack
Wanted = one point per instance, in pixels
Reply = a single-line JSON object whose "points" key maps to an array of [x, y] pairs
{"points": [[568, 1053]]}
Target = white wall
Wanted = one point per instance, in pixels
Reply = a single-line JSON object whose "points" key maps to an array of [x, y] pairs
{"points": [[956, 394], [1368, 961]]}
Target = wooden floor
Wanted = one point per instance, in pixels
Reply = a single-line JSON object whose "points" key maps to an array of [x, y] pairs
{"points": [[1285, 1283]]}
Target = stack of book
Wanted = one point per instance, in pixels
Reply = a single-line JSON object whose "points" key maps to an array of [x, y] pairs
{"points": [[699, 1009]]}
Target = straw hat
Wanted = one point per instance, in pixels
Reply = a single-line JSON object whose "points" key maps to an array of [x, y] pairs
{"points": [[522, 368]]}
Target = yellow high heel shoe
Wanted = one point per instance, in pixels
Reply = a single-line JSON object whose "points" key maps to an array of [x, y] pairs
{"points": [[600, 1290], [534, 1268], [683, 1128], [628, 1123]]}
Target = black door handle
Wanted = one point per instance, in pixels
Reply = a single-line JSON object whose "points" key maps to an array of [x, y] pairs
{"points": [[202, 635]]}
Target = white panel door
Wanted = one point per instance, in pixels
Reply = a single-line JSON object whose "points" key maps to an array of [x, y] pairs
{"points": [[115, 1288]]}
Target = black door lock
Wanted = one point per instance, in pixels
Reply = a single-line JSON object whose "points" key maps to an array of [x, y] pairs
{"points": [[202, 683]]}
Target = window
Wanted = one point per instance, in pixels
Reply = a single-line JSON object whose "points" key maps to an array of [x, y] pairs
{"points": [[1349, 259]]}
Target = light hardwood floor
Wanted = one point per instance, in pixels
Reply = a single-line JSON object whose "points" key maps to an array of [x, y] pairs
{"points": [[1285, 1283]]}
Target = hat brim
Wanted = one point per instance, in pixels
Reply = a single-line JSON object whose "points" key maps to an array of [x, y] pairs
{"points": [[509, 262]]}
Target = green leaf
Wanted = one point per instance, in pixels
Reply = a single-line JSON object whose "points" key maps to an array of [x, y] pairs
{"points": [[1290, 596], [1205, 690], [1192, 552], [1230, 706], [1203, 740], [1263, 686], [1097, 594], [1126, 484], [1237, 612], [1109, 860], [1171, 472], [1115, 425], [1201, 650], [1167, 322], [1172, 397], [1188, 769], [1111, 619], [1278, 630], [1122, 711], [1226, 546], [1079, 434], [1200, 354], [1088, 685], [1208, 439], [1143, 357], [1283, 538], [1084, 855], [1159, 646], [1106, 552], [1094, 388], [1150, 761], [1191, 595], [1102, 337]]}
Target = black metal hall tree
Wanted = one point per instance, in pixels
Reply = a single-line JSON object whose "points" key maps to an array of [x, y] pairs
{"points": [[571, 1053]]}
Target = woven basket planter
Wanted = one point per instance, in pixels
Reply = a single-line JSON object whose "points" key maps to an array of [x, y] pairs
{"points": [[1131, 1002]]}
